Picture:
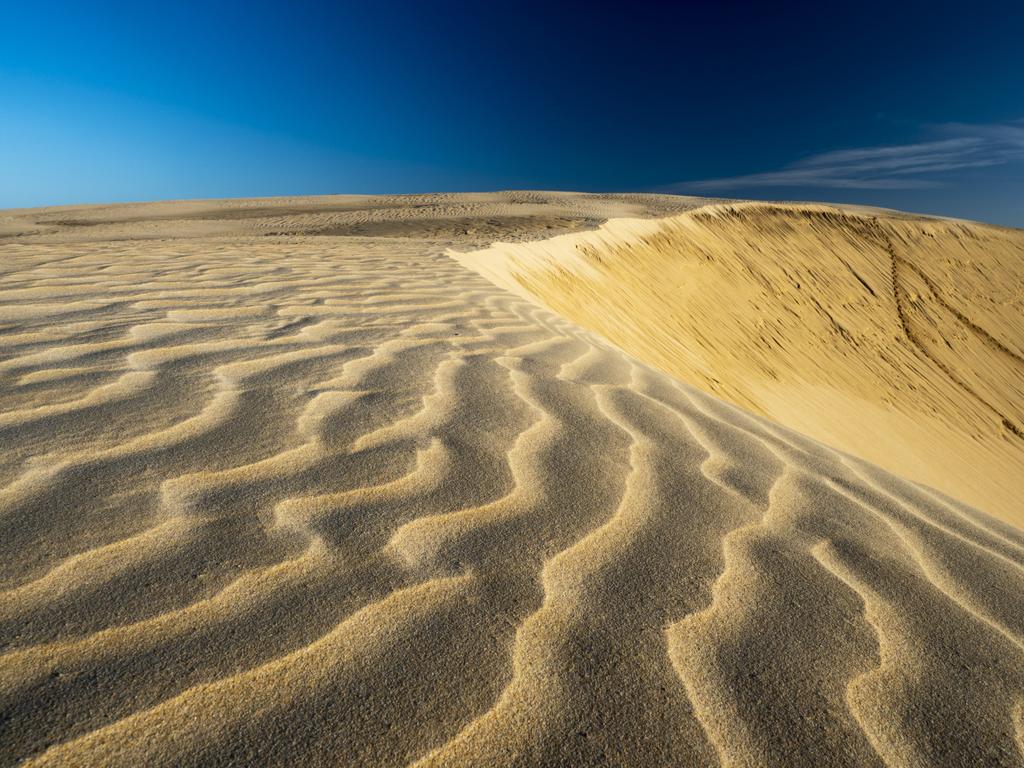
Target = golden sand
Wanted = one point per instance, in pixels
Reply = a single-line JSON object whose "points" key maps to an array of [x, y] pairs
{"points": [[898, 339], [284, 484]]}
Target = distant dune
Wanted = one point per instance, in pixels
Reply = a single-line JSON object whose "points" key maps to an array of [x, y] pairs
{"points": [[281, 483]]}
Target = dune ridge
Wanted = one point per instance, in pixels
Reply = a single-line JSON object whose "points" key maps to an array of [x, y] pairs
{"points": [[364, 507], [808, 313]]}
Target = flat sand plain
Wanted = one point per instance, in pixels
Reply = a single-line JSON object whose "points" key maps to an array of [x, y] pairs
{"points": [[283, 483]]}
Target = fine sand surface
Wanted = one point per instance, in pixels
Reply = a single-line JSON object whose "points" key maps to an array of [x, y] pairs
{"points": [[285, 484]]}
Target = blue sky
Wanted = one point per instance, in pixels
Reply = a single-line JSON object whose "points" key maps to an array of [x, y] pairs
{"points": [[910, 105]]}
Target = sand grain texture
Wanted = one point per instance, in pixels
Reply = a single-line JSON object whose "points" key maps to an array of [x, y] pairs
{"points": [[328, 497]]}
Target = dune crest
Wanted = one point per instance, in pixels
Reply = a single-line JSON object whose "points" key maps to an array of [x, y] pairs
{"points": [[337, 500], [809, 314]]}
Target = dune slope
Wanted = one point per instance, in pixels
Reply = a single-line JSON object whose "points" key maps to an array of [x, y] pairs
{"points": [[898, 339], [336, 500]]}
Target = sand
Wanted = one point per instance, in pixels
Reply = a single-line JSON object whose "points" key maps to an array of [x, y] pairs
{"points": [[283, 483], [898, 339]]}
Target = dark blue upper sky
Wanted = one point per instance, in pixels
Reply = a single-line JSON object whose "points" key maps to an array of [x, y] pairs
{"points": [[910, 105]]}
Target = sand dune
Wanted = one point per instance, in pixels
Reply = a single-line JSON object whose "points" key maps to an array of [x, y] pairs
{"points": [[335, 499], [898, 339]]}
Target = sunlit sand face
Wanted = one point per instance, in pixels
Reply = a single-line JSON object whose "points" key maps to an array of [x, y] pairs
{"points": [[898, 339]]}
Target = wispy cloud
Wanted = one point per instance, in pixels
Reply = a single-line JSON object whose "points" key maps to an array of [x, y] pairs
{"points": [[954, 147]]}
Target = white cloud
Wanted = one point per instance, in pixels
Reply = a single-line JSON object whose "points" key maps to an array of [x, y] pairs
{"points": [[905, 166]]}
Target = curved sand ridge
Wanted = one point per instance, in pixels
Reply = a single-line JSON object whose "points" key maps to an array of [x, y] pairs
{"points": [[341, 501], [898, 339]]}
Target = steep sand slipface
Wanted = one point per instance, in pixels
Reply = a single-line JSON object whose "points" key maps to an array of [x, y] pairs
{"points": [[325, 500], [895, 338]]}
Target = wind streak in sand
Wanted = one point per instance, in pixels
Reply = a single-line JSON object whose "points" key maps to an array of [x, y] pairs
{"points": [[365, 508]]}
